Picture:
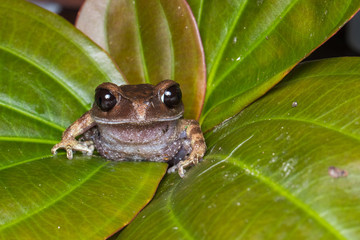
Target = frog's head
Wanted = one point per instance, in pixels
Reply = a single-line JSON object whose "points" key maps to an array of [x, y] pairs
{"points": [[139, 104]]}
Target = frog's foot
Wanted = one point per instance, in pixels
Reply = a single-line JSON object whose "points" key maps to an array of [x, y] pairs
{"points": [[173, 169], [86, 147], [180, 167]]}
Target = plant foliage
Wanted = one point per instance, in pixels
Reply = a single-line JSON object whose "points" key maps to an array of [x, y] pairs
{"points": [[266, 171]]}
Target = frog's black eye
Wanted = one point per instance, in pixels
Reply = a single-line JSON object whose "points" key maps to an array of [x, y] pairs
{"points": [[172, 96], [104, 99]]}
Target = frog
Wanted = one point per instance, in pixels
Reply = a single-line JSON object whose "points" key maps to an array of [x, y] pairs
{"points": [[141, 122]]}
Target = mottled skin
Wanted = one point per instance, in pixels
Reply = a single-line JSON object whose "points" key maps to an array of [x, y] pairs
{"points": [[140, 127]]}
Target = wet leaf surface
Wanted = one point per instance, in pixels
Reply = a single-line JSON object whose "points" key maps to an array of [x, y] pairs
{"points": [[250, 45], [48, 73], [265, 175]]}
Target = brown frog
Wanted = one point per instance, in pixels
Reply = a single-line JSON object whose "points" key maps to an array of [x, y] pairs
{"points": [[137, 122]]}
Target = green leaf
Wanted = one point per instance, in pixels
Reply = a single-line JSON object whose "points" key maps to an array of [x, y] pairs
{"points": [[48, 69], [84, 198], [150, 41], [250, 45], [265, 175], [48, 73]]}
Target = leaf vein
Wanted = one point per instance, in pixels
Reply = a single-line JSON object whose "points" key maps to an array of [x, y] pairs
{"points": [[290, 197], [25, 161], [353, 136], [251, 49], [28, 140], [31, 115], [171, 44], [51, 203], [221, 52], [52, 75], [174, 216], [141, 47]]}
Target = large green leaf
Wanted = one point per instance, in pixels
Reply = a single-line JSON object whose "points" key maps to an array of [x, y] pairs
{"points": [[150, 41], [84, 198], [265, 175], [48, 73], [250, 45]]}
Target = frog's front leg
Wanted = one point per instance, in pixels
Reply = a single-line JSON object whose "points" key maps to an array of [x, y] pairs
{"points": [[197, 143], [68, 141]]}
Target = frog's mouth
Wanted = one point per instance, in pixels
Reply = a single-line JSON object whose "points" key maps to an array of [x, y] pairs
{"points": [[136, 121]]}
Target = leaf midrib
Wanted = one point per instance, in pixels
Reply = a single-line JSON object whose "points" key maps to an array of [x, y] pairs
{"points": [[294, 79], [140, 44], [201, 6], [267, 181], [171, 43], [25, 161], [175, 216], [145, 179], [347, 134], [27, 140], [247, 53], [31, 115], [73, 39], [56, 78], [282, 191], [224, 44]]}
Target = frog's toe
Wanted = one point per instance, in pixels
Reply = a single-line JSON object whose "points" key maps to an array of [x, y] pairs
{"points": [[172, 169], [88, 152], [179, 168], [73, 145], [181, 171], [54, 149], [69, 152], [88, 148]]}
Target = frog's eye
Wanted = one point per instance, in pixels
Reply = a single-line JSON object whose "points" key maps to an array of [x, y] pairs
{"points": [[172, 96], [104, 99]]}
